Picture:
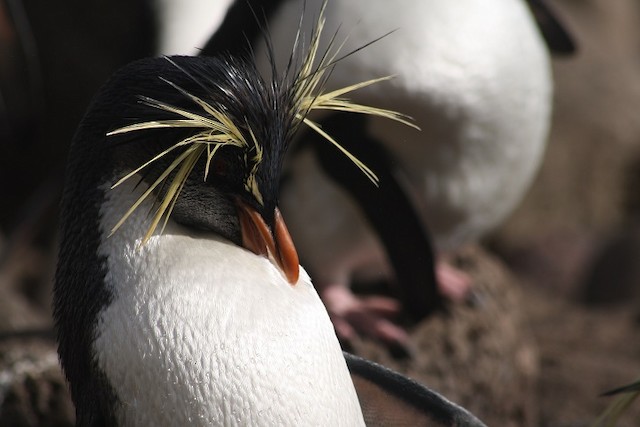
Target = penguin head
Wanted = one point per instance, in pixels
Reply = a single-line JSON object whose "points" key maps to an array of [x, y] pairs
{"points": [[209, 136]]}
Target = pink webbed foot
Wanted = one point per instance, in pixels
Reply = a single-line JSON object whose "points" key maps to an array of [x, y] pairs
{"points": [[453, 284], [373, 316], [369, 316]]}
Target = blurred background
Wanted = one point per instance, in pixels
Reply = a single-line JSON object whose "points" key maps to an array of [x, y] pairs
{"points": [[557, 317]]}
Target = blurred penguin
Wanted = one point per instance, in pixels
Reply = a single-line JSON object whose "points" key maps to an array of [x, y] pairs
{"points": [[476, 78]]}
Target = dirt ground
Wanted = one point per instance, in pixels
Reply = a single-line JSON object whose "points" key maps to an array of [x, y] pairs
{"points": [[522, 355], [555, 320]]}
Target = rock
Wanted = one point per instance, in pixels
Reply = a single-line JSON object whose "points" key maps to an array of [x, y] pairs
{"points": [[481, 354], [584, 352], [613, 276], [33, 391], [16, 314]]}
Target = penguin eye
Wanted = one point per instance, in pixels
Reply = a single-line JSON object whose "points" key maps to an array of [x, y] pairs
{"points": [[219, 167], [225, 169]]}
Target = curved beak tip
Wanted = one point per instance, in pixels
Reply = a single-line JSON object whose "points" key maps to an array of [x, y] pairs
{"points": [[259, 239], [286, 250]]}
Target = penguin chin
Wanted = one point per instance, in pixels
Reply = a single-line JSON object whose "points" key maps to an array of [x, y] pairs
{"points": [[208, 212]]}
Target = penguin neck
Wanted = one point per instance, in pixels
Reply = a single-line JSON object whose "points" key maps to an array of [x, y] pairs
{"points": [[200, 331]]}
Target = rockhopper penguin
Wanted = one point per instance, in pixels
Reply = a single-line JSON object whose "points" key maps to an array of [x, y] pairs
{"points": [[178, 296], [475, 75]]}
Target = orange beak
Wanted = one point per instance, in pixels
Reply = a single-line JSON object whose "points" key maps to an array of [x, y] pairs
{"points": [[276, 244]]}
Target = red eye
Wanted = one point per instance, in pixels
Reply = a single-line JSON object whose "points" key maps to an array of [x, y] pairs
{"points": [[218, 166]]}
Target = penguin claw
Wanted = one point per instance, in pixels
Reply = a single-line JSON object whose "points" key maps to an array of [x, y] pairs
{"points": [[372, 316], [369, 316], [453, 283]]}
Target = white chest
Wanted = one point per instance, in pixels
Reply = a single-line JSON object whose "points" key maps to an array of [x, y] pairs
{"points": [[202, 332]]}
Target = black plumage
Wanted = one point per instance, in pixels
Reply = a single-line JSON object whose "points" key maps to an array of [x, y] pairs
{"points": [[95, 158]]}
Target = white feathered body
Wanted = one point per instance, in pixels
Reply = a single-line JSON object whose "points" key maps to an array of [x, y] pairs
{"points": [[475, 76], [203, 332], [186, 25]]}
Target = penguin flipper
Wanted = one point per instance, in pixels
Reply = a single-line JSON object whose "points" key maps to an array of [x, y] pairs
{"points": [[555, 34], [403, 239], [387, 207], [390, 399]]}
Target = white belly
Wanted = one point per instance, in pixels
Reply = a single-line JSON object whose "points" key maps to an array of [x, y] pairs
{"points": [[202, 332]]}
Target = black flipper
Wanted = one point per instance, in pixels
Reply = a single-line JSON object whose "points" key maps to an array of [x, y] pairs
{"points": [[406, 241], [554, 32], [241, 26], [390, 399]]}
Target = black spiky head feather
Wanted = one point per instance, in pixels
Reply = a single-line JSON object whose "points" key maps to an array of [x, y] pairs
{"points": [[230, 116], [179, 125]]}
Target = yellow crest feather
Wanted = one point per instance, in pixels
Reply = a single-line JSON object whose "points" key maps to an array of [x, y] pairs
{"points": [[216, 129]]}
